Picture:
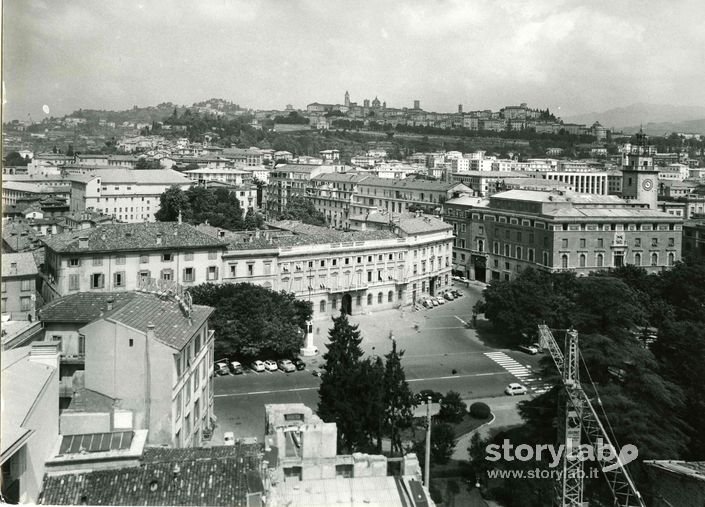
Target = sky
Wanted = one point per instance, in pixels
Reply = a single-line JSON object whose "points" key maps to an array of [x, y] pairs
{"points": [[570, 56]]}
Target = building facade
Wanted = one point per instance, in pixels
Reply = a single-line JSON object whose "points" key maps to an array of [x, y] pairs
{"points": [[559, 231], [19, 286]]}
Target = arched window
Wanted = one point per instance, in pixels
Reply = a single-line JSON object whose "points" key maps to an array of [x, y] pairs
{"points": [[390, 296], [531, 254], [600, 260], [480, 245], [545, 258], [564, 261], [582, 260], [654, 259], [358, 300], [380, 298], [334, 303], [506, 250], [323, 306], [369, 299], [519, 252], [671, 259], [637, 259]]}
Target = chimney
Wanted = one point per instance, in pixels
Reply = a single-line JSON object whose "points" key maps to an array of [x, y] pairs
{"points": [[45, 353], [150, 331], [110, 304]]}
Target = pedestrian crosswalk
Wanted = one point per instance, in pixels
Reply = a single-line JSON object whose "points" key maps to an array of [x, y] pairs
{"points": [[523, 373]]}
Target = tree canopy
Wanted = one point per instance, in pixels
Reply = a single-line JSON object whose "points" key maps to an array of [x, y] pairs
{"points": [[252, 321], [300, 208]]}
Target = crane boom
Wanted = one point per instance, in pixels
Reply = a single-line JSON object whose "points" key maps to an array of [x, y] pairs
{"points": [[581, 417]]}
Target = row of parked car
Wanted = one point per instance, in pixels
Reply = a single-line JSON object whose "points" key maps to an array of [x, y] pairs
{"points": [[225, 367], [432, 301]]}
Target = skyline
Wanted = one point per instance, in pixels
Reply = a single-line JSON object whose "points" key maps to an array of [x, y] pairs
{"points": [[571, 58]]}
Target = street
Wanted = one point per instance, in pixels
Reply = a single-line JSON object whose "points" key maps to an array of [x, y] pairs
{"points": [[440, 353]]}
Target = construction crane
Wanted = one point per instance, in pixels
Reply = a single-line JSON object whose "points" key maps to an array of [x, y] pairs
{"points": [[579, 417]]}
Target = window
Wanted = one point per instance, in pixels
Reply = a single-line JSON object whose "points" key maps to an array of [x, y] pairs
{"points": [[26, 285], [97, 281], [671, 242], [120, 259], [369, 299], [582, 242], [380, 298], [74, 262], [250, 269], [74, 282], [390, 296], [600, 243], [233, 270], [97, 261], [369, 276], [518, 253], [637, 242], [671, 259], [582, 260], [167, 257], [480, 245], [322, 306], [600, 260], [654, 241], [654, 259], [167, 275], [637, 259], [187, 390], [564, 261], [81, 345], [189, 275], [358, 300], [530, 251], [26, 303], [119, 279], [564, 243], [212, 273], [334, 303]]}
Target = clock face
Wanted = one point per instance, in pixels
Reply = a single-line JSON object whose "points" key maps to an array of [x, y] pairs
{"points": [[647, 184]]}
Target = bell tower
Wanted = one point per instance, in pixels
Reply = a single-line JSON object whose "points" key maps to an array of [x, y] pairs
{"points": [[639, 177], [347, 99]]}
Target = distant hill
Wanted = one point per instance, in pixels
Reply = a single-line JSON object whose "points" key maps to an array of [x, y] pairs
{"points": [[665, 128], [638, 114]]}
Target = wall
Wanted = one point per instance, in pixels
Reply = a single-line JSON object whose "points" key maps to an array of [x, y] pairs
{"points": [[77, 423], [13, 294]]}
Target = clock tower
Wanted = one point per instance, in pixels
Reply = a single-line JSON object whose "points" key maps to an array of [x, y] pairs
{"points": [[639, 177]]}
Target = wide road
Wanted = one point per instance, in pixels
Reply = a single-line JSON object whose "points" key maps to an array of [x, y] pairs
{"points": [[440, 353]]}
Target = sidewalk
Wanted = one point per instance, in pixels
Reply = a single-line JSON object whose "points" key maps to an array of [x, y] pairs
{"points": [[506, 415]]}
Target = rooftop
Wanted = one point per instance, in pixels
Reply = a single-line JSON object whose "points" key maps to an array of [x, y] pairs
{"points": [[347, 177], [411, 183], [18, 264], [83, 307], [172, 326], [298, 168], [563, 196], [130, 237], [408, 223], [144, 176], [693, 469], [215, 476]]}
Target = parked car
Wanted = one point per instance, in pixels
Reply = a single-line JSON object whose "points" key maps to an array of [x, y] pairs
{"points": [[440, 300], [448, 296], [514, 389], [427, 303], [423, 395], [221, 368], [433, 301], [529, 349], [258, 366], [286, 365], [228, 438], [236, 368], [538, 347], [300, 365], [270, 365], [456, 293]]}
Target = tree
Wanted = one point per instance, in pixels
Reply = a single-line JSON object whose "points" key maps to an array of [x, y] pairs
{"points": [[15, 159], [453, 408], [442, 443], [251, 321], [253, 220], [340, 399], [69, 151], [398, 398], [300, 208], [144, 163], [616, 308], [172, 201]]}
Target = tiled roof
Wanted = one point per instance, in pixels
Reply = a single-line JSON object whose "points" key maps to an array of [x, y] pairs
{"points": [[24, 264], [130, 237], [408, 223], [298, 168], [19, 236], [347, 177], [171, 325], [216, 476], [83, 307]]}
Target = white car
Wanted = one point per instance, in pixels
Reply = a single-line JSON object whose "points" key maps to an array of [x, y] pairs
{"points": [[228, 438], [434, 301], [448, 296], [515, 388], [286, 365], [258, 366], [270, 365], [440, 300], [529, 349]]}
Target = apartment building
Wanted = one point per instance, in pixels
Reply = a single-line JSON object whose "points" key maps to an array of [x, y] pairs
{"points": [[158, 370], [19, 286], [231, 176], [132, 196], [356, 272], [125, 257], [408, 194], [293, 180], [333, 194], [498, 237], [248, 157], [694, 239]]}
